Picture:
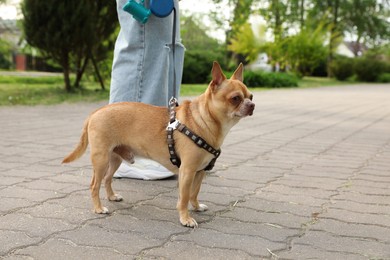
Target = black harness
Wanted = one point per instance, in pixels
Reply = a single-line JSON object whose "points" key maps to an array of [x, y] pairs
{"points": [[174, 124]]}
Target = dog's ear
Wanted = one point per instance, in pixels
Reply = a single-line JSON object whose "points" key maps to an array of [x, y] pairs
{"points": [[217, 75], [239, 73]]}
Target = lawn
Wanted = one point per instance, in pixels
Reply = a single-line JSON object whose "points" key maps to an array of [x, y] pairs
{"points": [[46, 90]]}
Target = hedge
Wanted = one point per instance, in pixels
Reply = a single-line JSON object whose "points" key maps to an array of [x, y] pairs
{"points": [[269, 79], [366, 69]]}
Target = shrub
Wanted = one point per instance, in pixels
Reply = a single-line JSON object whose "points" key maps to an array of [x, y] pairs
{"points": [[269, 79], [384, 78], [368, 70], [5, 54], [342, 68], [198, 64]]}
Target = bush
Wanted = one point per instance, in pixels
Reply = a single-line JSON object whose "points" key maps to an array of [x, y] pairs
{"points": [[269, 79], [5, 54], [198, 64], [368, 70], [342, 68], [384, 78], [321, 70]]}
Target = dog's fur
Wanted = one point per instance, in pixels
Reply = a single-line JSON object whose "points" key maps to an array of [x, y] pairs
{"points": [[119, 131]]}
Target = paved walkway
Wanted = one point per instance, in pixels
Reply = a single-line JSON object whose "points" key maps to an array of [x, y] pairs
{"points": [[307, 177]]}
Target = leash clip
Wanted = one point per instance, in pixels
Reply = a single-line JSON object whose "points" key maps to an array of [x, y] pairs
{"points": [[174, 125]]}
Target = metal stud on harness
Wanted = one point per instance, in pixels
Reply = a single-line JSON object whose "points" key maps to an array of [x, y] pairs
{"points": [[163, 8]]}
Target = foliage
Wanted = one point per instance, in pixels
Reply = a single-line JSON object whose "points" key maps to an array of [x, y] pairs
{"points": [[342, 68], [5, 55], [198, 64], [368, 69], [194, 36], [269, 79], [71, 32], [201, 51], [384, 78], [245, 43], [305, 51]]}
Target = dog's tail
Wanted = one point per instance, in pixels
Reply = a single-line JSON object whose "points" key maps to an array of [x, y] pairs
{"points": [[81, 147]]}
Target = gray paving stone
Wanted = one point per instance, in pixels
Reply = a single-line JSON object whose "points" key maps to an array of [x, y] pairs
{"points": [[124, 241], [364, 231], [264, 230], [277, 219], [306, 177], [11, 240], [261, 204], [252, 245], [63, 248], [301, 251], [346, 245], [350, 216], [33, 226], [186, 250]]}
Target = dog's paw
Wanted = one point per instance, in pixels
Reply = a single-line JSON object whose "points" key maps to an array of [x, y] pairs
{"points": [[103, 210], [189, 222], [201, 208], [115, 197]]}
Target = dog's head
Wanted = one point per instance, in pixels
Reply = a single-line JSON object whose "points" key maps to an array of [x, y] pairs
{"points": [[230, 97]]}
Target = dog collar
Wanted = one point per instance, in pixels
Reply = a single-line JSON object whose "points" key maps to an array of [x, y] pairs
{"points": [[175, 124]]}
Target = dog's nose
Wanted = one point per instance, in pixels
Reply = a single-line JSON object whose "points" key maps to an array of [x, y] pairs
{"points": [[251, 108]]}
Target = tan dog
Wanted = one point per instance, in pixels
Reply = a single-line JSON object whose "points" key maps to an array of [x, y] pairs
{"points": [[119, 131]]}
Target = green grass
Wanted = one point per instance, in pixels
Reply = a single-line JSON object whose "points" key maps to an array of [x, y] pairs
{"points": [[311, 82], [47, 90]]}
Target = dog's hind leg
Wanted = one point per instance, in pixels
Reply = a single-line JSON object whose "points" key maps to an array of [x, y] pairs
{"points": [[125, 152], [100, 167], [115, 162]]}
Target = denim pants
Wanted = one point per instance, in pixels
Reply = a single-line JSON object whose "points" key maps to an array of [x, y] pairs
{"points": [[143, 64]]}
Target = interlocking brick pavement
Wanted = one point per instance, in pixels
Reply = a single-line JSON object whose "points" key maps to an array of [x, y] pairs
{"points": [[307, 177]]}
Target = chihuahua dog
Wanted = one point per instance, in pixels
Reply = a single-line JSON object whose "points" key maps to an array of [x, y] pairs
{"points": [[120, 131]]}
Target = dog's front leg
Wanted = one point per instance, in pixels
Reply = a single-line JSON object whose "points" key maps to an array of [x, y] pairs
{"points": [[186, 179], [195, 191]]}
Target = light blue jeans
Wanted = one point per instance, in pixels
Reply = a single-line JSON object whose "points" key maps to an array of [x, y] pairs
{"points": [[143, 64]]}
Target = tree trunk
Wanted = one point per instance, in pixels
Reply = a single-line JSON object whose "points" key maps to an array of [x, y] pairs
{"points": [[97, 71], [80, 72], [278, 23], [333, 31], [66, 72], [302, 13]]}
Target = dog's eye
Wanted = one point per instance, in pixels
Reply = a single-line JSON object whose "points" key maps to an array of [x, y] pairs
{"points": [[236, 99], [251, 97]]}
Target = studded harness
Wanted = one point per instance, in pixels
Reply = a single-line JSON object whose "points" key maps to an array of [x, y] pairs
{"points": [[175, 124]]}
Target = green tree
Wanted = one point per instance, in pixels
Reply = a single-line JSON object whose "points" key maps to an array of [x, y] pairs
{"points": [[194, 36], [367, 22], [365, 19], [306, 50], [71, 32], [245, 43], [201, 51], [241, 11]]}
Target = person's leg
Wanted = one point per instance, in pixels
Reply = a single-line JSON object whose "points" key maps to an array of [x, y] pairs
{"points": [[143, 72], [128, 58], [157, 79], [143, 64]]}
